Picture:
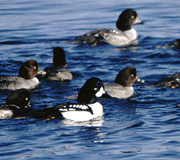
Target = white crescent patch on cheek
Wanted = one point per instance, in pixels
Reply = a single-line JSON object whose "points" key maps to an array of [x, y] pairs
{"points": [[100, 92]]}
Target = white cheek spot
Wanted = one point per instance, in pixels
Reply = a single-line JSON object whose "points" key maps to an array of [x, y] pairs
{"points": [[100, 92]]}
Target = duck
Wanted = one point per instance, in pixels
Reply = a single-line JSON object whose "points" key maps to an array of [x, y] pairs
{"points": [[86, 108], [124, 35], [58, 71], [17, 105], [26, 78], [122, 87], [172, 44], [170, 81], [175, 43]]}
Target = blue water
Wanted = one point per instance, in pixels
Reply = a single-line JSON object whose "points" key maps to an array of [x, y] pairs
{"points": [[143, 127]]}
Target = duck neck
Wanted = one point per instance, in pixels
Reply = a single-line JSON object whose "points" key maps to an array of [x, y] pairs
{"points": [[85, 99]]}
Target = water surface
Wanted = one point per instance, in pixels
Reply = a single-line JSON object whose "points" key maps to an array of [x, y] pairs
{"points": [[143, 127]]}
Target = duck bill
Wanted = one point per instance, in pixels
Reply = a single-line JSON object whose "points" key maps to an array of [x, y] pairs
{"points": [[138, 80], [138, 21], [28, 105], [41, 72]]}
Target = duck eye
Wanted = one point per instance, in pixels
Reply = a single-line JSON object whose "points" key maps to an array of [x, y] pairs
{"points": [[26, 98], [34, 67], [95, 89], [132, 75], [132, 17]]}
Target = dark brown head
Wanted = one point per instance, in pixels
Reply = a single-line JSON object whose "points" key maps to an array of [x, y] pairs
{"points": [[127, 76], [59, 57], [29, 69]]}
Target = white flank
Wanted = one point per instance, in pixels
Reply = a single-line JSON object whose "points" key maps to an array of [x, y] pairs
{"points": [[84, 115], [6, 114]]}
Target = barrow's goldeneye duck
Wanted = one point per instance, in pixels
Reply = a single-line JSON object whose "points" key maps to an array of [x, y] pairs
{"points": [[175, 43], [122, 87], [58, 71], [87, 107], [17, 104], [26, 79], [122, 36], [171, 81]]}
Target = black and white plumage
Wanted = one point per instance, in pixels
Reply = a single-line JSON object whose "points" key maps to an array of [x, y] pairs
{"points": [[87, 107], [122, 87], [26, 78], [58, 71], [17, 104], [122, 36], [74, 107]]}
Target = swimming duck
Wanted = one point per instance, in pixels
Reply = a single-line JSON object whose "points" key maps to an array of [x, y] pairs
{"points": [[122, 87], [26, 78], [58, 71], [171, 81], [17, 104], [87, 107], [122, 36], [175, 43]]}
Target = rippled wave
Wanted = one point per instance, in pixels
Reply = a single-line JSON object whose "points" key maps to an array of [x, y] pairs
{"points": [[142, 127]]}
